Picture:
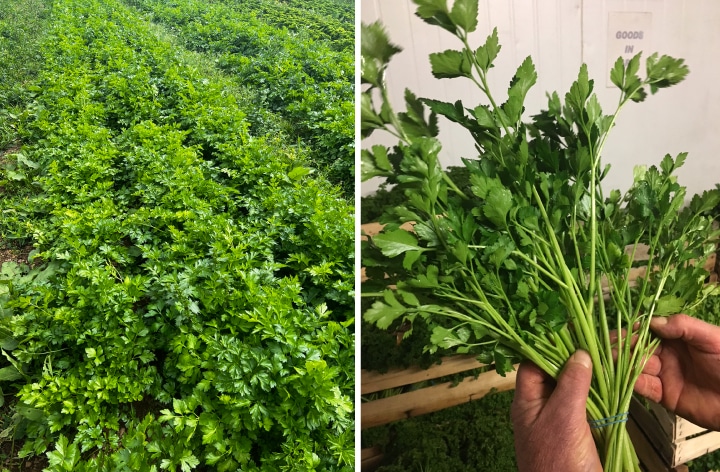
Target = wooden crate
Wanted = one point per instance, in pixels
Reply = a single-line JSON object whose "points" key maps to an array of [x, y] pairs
{"points": [[665, 440]]}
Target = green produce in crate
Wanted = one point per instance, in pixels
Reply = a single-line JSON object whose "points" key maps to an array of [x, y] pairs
{"points": [[512, 266]]}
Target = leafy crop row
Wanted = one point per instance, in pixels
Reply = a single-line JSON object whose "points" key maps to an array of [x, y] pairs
{"points": [[21, 27], [302, 71], [189, 301], [342, 10], [329, 20]]}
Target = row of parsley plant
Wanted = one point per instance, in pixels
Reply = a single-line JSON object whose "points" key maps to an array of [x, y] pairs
{"points": [[189, 302], [303, 68]]}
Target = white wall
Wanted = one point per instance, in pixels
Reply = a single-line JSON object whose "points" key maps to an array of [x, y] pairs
{"points": [[560, 35]]}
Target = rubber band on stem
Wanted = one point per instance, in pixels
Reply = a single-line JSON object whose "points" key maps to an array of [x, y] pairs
{"points": [[602, 422]]}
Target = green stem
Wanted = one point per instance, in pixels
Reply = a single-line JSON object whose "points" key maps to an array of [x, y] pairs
{"points": [[484, 87], [393, 118], [583, 323], [537, 266]]}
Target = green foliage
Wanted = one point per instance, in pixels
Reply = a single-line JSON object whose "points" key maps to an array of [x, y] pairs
{"points": [[190, 302], [474, 436], [373, 206], [341, 10], [707, 463], [298, 60], [509, 268], [709, 310], [22, 27], [380, 349], [331, 21]]}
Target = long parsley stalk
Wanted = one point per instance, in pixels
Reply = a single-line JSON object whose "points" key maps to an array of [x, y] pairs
{"points": [[529, 259]]}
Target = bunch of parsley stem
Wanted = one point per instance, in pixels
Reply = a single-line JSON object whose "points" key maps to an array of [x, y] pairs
{"points": [[575, 274], [611, 391]]}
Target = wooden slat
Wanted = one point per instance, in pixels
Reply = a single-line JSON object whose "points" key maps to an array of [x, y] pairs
{"points": [[696, 447], [652, 430], [375, 382], [370, 458], [684, 429], [710, 263], [644, 448], [438, 397], [371, 229], [664, 419], [675, 427]]}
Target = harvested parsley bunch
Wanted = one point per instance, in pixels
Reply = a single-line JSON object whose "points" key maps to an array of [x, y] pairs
{"points": [[515, 264]]}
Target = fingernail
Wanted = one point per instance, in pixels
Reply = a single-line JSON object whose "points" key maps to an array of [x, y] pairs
{"points": [[582, 357], [658, 321]]}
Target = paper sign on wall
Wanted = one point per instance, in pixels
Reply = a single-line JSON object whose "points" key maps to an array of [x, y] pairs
{"points": [[628, 34]]}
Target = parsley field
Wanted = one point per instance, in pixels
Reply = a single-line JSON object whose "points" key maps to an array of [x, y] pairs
{"points": [[298, 56], [187, 301]]}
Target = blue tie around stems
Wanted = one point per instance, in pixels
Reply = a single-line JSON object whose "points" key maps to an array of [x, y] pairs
{"points": [[602, 422]]}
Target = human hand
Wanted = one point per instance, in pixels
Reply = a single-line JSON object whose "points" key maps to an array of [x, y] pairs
{"points": [[683, 374], [549, 419]]}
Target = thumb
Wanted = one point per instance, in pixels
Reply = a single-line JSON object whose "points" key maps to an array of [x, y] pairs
{"points": [[573, 385]]}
